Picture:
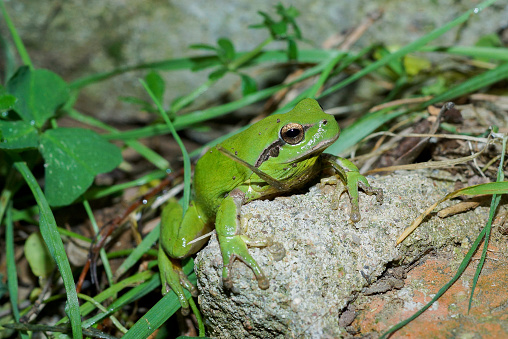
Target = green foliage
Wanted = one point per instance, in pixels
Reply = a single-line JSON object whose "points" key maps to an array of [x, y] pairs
{"points": [[39, 94], [18, 135], [73, 157], [284, 29], [38, 256], [32, 101], [7, 101]]}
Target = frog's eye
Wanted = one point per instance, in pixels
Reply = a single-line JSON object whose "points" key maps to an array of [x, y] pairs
{"points": [[292, 133]]}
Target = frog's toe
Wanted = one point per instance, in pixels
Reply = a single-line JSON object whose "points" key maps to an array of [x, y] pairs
{"points": [[371, 190], [379, 194], [227, 283], [355, 214], [277, 250], [247, 259], [263, 283], [185, 282]]}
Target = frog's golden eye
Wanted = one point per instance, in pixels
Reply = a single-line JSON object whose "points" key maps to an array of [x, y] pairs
{"points": [[292, 133]]}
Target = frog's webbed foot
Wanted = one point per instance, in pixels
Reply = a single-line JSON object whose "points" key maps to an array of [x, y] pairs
{"points": [[233, 248], [355, 180], [351, 176], [173, 278]]}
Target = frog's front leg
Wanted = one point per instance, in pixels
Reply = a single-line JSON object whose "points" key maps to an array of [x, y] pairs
{"points": [[232, 244], [353, 179]]}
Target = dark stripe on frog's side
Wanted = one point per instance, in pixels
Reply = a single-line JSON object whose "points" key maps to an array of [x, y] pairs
{"points": [[271, 151]]}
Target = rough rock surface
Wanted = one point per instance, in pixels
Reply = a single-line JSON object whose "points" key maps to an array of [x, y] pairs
{"points": [[329, 261]]}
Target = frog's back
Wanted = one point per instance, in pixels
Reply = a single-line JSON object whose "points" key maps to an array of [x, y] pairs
{"points": [[261, 146], [215, 176]]}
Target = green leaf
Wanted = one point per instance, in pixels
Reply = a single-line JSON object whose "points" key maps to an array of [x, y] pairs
{"points": [[248, 85], [354, 133], [437, 86], [292, 49], [156, 84], [288, 13], [7, 101], [17, 135], [279, 29], [38, 256], [489, 40], [73, 157], [40, 93], [205, 47], [227, 48], [219, 73]]}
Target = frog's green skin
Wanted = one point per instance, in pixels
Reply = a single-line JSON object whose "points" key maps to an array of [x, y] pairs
{"points": [[275, 155]]}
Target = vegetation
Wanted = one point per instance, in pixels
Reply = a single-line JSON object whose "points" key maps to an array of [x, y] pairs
{"points": [[35, 150]]}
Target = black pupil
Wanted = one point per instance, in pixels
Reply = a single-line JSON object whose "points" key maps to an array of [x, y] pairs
{"points": [[293, 133]]}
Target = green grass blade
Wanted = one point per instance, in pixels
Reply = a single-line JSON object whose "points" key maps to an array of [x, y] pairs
{"points": [[9, 67], [143, 150], [15, 36], [369, 123], [57, 331], [148, 154], [483, 80], [96, 193], [155, 317], [461, 269], [12, 184], [12, 274], [323, 77], [304, 56], [187, 120], [185, 154], [52, 239], [412, 47], [102, 252], [114, 320], [168, 65], [353, 134], [493, 53], [493, 207], [71, 234], [138, 252], [500, 187], [133, 294], [112, 291], [187, 99], [199, 319]]}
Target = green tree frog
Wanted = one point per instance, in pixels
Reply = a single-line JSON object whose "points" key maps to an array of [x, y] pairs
{"points": [[275, 155]]}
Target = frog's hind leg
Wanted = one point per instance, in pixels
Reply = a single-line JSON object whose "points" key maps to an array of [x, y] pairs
{"points": [[176, 232], [173, 278], [232, 243]]}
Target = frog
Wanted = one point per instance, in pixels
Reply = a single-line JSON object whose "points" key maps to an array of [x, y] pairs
{"points": [[274, 156]]}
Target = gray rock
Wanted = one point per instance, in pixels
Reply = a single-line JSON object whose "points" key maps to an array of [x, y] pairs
{"points": [[329, 261]]}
